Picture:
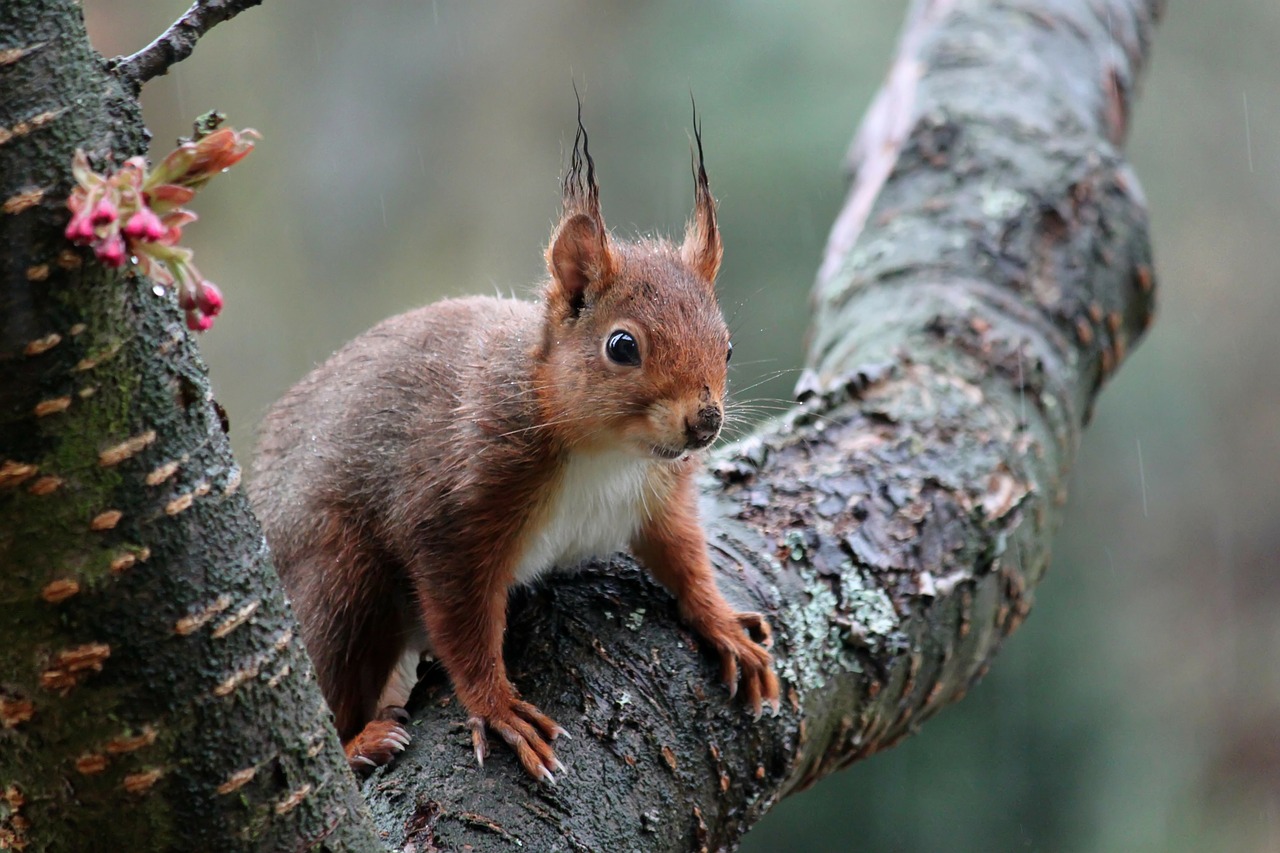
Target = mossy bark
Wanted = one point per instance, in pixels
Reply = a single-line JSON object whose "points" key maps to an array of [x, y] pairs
{"points": [[153, 691]]}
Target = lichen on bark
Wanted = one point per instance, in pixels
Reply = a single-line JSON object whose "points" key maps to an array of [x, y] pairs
{"points": [[990, 271]]}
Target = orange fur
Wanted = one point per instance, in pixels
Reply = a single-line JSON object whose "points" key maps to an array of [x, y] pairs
{"points": [[455, 451], [674, 549]]}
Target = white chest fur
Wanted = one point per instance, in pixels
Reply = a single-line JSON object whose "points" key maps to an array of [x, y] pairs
{"points": [[596, 509]]}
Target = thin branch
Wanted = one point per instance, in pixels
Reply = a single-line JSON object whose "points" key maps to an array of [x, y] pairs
{"points": [[176, 43]]}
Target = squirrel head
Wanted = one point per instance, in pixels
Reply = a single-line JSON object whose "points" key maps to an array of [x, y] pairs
{"points": [[634, 350]]}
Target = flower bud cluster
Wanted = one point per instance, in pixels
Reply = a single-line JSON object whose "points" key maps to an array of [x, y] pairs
{"points": [[136, 214]]}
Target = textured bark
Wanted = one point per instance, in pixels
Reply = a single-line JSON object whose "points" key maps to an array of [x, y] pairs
{"points": [[153, 691], [989, 272]]}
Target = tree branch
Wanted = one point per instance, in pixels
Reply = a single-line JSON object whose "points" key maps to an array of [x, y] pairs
{"points": [[995, 272], [875, 147], [176, 43], [990, 270]]}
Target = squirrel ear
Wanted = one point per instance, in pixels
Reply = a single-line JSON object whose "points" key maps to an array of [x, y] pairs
{"points": [[578, 255], [702, 249]]}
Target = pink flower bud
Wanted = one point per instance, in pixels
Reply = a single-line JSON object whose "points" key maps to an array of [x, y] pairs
{"points": [[210, 299], [144, 225], [111, 252], [199, 322], [79, 230], [104, 212]]}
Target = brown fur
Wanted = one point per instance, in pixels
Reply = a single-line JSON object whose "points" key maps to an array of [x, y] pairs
{"points": [[401, 482]]}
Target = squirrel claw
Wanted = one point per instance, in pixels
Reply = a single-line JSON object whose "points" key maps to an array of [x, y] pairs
{"points": [[479, 742], [527, 731], [729, 671], [379, 742]]}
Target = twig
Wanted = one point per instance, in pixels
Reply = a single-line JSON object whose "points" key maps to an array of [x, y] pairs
{"points": [[176, 43]]}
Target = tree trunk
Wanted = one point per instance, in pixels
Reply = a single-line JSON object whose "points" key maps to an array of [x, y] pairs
{"points": [[989, 271], [154, 693]]}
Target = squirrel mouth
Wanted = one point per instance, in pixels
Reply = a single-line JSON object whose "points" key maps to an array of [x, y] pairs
{"points": [[666, 452]]}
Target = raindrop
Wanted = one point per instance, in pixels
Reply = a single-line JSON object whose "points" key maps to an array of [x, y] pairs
{"points": [[1248, 137], [180, 89], [1142, 478]]}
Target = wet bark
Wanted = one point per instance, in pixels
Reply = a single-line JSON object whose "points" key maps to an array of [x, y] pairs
{"points": [[990, 270]]}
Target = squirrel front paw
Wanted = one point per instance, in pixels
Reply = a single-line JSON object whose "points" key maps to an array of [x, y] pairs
{"points": [[379, 741], [526, 730], [741, 643]]}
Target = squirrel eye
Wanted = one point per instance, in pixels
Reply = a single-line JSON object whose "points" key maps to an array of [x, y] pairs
{"points": [[622, 348], [728, 355]]}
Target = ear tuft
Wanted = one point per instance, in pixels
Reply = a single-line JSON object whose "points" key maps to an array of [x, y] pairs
{"points": [[579, 252], [580, 192], [702, 249]]}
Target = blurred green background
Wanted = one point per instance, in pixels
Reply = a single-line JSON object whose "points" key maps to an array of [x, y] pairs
{"points": [[412, 150]]}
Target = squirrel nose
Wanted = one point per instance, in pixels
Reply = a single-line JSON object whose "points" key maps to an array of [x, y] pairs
{"points": [[703, 429]]}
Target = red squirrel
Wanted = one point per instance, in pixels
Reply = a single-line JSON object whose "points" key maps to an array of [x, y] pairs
{"points": [[458, 450]]}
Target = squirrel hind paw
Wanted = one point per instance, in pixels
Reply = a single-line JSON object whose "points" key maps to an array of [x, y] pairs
{"points": [[395, 713], [379, 742]]}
